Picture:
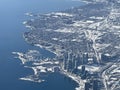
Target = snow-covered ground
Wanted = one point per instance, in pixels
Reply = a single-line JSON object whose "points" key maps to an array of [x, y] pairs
{"points": [[112, 77], [37, 65], [93, 68]]}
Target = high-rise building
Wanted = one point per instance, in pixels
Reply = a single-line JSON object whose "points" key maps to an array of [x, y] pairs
{"points": [[95, 85], [69, 66], [87, 86], [85, 58], [83, 69], [65, 64]]}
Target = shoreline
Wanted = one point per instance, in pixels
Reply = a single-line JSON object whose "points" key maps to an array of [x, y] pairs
{"points": [[75, 78]]}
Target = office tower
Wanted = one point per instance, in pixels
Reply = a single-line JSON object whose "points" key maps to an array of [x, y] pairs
{"points": [[85, 58]]}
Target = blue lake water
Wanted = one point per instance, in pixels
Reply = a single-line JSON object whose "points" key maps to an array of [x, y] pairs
{"points": [[11, 30]]}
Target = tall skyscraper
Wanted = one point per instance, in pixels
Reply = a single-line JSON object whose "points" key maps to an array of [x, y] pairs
{"points": [[85, 58]]}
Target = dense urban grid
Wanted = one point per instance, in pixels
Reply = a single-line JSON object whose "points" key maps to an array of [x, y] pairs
{"points": [[85, 40]]}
